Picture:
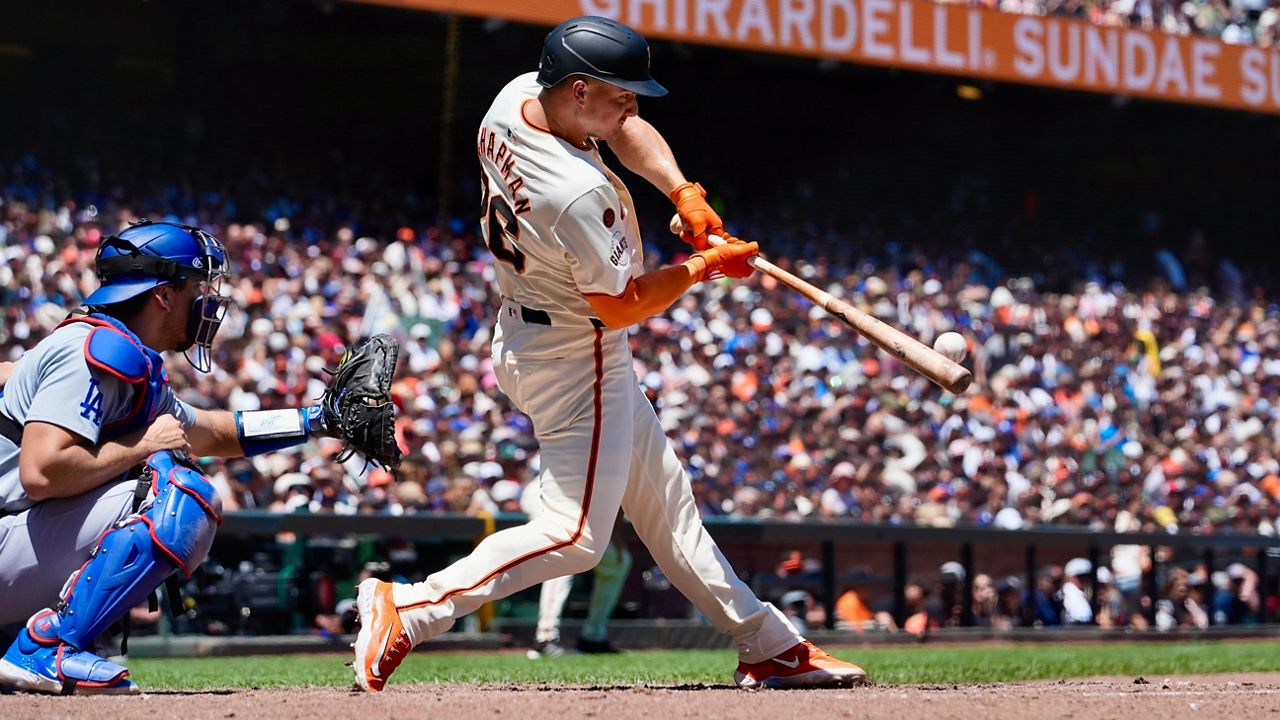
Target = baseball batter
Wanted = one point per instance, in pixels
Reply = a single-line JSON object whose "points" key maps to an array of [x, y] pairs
{"points": [[563, 229], [99, 503]]}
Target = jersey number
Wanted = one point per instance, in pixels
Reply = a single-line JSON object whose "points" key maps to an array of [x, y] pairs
{"points": [[502, 228]]}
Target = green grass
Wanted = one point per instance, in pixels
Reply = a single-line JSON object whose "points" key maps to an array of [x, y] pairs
{"points": [[886, 665]]}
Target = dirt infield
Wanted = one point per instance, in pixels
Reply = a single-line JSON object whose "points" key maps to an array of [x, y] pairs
{"points": [[1235, 696]]}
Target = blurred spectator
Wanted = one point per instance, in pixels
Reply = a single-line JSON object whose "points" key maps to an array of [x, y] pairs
{"points": [[917, 620], [1177, 609], [1046, 599], [945, 607], [797, 605], [984, 600], [292, 492], [1201, 588], [1237, 603], [796, 565], [1128, 563], [853, 612], [1010, 612], [1076, 607], [1110, 602]]}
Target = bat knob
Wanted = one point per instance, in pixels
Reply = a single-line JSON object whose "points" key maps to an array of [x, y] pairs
{"points": [[677, 225]]}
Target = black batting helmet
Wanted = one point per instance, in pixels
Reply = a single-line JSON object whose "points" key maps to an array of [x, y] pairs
{"points": [[600, 48]]}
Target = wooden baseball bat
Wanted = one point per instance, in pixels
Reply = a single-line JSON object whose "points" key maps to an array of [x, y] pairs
{"points": [[938, 368]]}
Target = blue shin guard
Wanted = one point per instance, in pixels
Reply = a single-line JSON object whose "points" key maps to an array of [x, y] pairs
{"points": [[134, 558], [131, 560]]}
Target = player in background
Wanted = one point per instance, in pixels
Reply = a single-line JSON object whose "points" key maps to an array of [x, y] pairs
{"points": [[99, 503], [570, 267], [610, 576]]}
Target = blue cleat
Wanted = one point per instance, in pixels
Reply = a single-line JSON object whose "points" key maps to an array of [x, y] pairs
{"points": [[39, 662]]}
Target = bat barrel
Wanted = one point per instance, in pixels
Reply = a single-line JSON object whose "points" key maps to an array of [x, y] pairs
{"points": [[938, 368]]}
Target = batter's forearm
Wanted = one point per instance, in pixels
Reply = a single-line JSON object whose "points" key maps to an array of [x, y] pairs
{"points": [[643, 151], [660, 288], [648, 294]]}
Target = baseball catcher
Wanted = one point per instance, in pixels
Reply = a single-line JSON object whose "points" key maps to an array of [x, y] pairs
{"points": [[99, 503]]}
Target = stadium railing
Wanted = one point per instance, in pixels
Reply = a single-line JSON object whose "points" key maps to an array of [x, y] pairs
{"points": [[829, 534]]}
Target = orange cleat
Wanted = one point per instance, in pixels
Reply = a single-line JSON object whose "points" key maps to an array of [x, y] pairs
{"points": [[802, 666], [382, 642]]}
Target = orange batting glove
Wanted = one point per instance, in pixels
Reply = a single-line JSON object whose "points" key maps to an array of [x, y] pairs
{"points": [[730, 259], [696, 214]]}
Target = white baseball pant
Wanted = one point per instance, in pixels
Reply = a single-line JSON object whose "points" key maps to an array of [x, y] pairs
{"points": [[610, 577], [602, 446]]}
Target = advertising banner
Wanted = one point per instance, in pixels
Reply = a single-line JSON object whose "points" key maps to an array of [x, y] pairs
{"points": [[939, 38]]}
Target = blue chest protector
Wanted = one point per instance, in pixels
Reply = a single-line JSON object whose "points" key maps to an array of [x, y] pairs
{"points": [[113, 349]]}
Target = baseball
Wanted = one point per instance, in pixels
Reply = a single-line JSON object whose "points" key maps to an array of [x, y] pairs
{"points": [[953, 345]]}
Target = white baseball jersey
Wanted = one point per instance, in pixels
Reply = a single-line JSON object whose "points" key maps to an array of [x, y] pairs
{"points": [[561, 224]]}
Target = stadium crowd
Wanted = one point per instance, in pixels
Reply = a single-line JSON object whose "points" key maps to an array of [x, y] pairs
{"points": [[1108, 407], [1235, 22], [1074, 594]]}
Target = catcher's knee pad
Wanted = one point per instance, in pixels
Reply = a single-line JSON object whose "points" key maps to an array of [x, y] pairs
{"points": [[134, 558]]}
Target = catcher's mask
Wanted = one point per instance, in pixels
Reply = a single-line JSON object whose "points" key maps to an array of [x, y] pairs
{"points": [[148, 254]]}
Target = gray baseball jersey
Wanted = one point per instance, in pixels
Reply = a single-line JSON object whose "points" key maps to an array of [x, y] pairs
{"points": [[54, 383]]}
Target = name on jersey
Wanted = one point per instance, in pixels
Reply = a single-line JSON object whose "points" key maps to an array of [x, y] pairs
{"points": [[496, 149]]}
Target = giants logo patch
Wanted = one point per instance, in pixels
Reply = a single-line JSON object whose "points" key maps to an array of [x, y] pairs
{"points": [[620, 254], [608, 217]]}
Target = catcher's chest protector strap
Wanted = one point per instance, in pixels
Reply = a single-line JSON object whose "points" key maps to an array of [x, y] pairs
{"points": [[10, 429]]}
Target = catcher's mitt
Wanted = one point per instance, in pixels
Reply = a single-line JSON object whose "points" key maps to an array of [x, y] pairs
{"points": [[357, 405]]}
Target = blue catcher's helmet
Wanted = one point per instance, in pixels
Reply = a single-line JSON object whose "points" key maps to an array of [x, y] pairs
{"points": [[146, 255]]}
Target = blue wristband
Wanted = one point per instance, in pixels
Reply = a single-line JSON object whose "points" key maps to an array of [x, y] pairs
{"points": [[264, 431]]}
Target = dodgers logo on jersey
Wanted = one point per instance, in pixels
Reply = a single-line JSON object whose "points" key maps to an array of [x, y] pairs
{"points": [[620, 255], [91, 408]]}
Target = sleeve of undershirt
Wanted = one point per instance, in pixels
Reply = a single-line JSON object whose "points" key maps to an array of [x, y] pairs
{"points": [[170, 404]]}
